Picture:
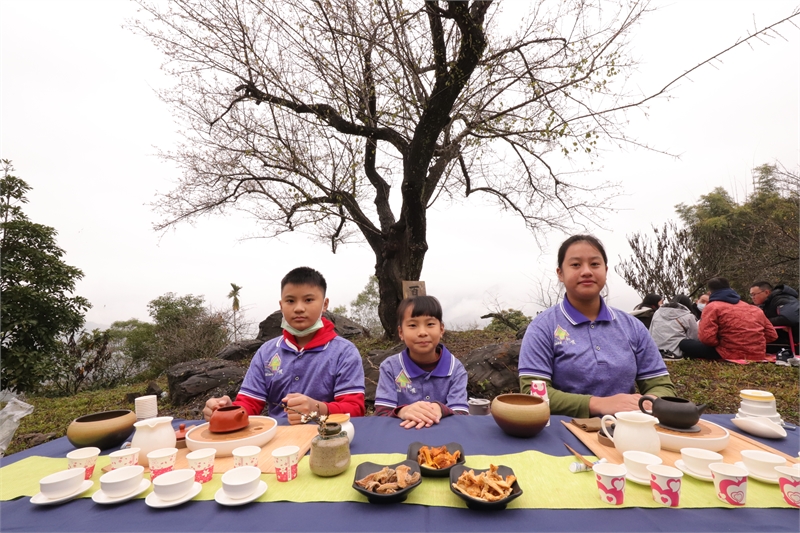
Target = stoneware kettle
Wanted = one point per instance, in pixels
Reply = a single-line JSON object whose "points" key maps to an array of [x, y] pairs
{"points": [[152, 434], [672, 412], [634, 430]]}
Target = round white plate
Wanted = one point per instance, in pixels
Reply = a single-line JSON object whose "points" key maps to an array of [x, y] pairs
{"points": [[772, 480], [223, 498], [41, 499], [760, 427], [103, 499], [635, 479], [154, 501], [680, 465], [675, 441]]}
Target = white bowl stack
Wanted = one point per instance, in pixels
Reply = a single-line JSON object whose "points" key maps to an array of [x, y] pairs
{"points": [[758, 403], [146, 407]]}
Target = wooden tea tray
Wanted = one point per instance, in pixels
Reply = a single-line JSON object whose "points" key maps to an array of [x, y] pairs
{"points": [[299, 435], [730, 454]]}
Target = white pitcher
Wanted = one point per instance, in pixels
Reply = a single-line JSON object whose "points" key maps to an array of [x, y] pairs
{"points": [[152, 434], [634, 431]]}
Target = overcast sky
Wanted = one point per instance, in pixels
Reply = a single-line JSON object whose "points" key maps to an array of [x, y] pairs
{"points": [[81, 121]]}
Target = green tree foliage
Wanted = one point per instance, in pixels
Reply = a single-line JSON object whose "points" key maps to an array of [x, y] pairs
{"points": [[36, 286], [507, 320], [183, 329], [745, 242], [234, 296], [364, 309]]}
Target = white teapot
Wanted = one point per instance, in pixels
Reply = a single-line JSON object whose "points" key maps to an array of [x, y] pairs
{"points": [[152, 434], [634, 431]]}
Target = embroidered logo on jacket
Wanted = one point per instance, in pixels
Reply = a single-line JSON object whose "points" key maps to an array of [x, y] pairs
{"points": [[403, 382], [562, 336], [274, 366]]}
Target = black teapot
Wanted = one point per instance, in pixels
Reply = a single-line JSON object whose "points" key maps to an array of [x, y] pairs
{"points": [[673, 412]]}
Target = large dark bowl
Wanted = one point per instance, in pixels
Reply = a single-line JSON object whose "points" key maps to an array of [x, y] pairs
{"points": [[103, 430], [365, 469], [520, 415], [413, 453], [476, 503]]}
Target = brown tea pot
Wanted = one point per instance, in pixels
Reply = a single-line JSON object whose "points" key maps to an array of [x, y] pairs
{"points": [[673, 412], [227, 419]]}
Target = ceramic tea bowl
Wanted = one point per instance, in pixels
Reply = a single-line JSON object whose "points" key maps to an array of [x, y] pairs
{"points": [[103, 430], [520, 415]]}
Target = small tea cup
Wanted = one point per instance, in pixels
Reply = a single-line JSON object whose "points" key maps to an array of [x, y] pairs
{"points": [[62, 483], [665, 484], [202, 462], [637, 462], [173, 485], [762, 463], [126, 457], [162, 461], [246, 456], [240, 482], [121, 481], [83, 458], [698, 459], [730, 483], [789, 483], [610, 482]]}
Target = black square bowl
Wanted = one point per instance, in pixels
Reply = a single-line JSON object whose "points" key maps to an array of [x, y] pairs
{"points": [[367, 468], [476, 503], [413, 452]]}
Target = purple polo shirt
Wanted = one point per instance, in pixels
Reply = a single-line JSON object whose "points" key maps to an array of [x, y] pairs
{"points": [[402, 382], [600, 358], [279, 368]]}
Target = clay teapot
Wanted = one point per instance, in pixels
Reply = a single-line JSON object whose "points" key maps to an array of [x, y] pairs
{"points": [[227, 419], [673, 412]]}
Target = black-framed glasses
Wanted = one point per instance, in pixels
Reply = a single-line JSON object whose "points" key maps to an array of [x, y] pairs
{"points": [[754, 294]]}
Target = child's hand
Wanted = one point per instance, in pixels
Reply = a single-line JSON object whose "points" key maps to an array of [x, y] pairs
{"points": [[304, 405], [420, 415], [215, 403]]}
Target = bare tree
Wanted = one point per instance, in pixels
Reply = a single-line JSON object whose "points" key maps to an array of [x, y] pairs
{"points": [[348, 119]]}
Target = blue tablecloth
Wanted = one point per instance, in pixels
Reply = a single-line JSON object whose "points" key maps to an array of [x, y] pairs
{"points": [[479, 435]]}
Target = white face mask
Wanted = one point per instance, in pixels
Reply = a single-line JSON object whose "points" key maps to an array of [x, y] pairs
{"points": [[701, 306], [304, 332]]}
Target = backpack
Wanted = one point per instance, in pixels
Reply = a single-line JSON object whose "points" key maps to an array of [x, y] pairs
{"points": [[790, 311]]}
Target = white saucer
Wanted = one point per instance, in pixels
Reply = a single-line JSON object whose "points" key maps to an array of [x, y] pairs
{"points": [[154, 501], [101, 497], [41, 499], [680, 465], [760, 426], [636, 479], [223, 498], [771, 480]]}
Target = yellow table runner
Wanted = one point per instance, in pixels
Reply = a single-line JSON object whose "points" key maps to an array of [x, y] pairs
{"points": [[545, 480]]}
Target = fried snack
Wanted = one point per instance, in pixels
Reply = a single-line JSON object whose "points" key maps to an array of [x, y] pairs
{"points": [[488, 486], [437, 458], [389, 480]]}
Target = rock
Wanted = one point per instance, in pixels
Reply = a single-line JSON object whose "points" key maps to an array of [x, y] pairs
{"points": [[492, 370], [270, 327], [372, 363], [35, 439], [240, 350], [205, 377], [153, 389], [521, 332]]}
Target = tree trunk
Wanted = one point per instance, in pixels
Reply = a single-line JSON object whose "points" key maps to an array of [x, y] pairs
{"points": [[399, 258]]}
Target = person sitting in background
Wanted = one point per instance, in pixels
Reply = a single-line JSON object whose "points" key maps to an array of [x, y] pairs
{"points": [[672, 323], [780, 306], [645, 310], [698, 305], [592, 357], [729, 329]]}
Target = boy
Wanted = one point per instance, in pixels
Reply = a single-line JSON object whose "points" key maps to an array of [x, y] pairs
{"points": [[424, 382], [309, 368]]}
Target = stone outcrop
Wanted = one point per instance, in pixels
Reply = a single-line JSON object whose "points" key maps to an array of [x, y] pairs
{"points": [[205, 377], [270, 327], [372, 364], [492, 370], [240, 350]]}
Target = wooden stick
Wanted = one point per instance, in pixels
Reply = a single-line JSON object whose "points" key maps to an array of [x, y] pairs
{"points": [[582, 459]]}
